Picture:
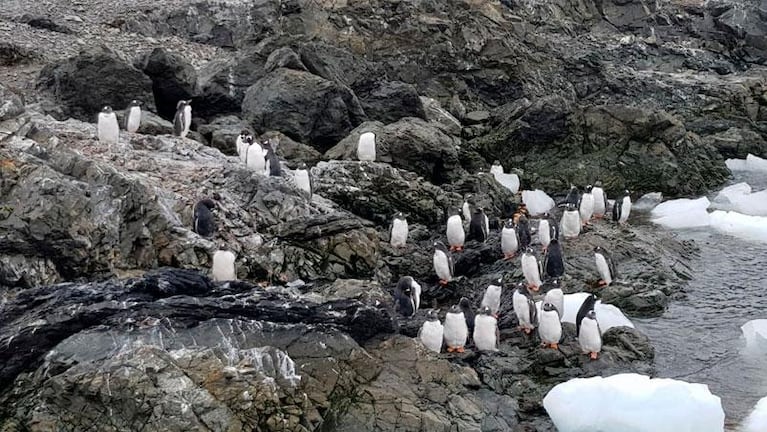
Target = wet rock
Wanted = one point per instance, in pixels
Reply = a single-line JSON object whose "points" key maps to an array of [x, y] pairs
{"points": [[10, 104], [83, 84], [223, 82], [173, 79], [283, 58], [389, 101]]}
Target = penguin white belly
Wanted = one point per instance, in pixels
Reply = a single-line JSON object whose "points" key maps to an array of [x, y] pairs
{"points": [[108, 129], [587, 207], [366, 147], [530, 270], [255, 158], [549, 327], [431, 335], [485, 333], [399, 232], [242, 148], [223, 266], [599, 201], [187, 120], [603, 268], [455, 234], [492, 298], [487, 226], [456, 330], [509, 243], [571, 224], [466, 210], [625, 210], [416, 295], [441, 266], [544, 233], [522, 310], [556, 297], [589, 338], [301, 178], [134, 119]]}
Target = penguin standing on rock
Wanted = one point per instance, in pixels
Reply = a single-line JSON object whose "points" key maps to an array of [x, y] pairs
{"points": [[600, 200], [524, 308], [455, 330], [573, 198], [546, 231], [479, 227], [509, 240], [466, 208], [622, 208], [182, 121], [586, 206], [242, 146], [133, 116], [302, 178], [204, 223], [523, 232], [223, 268], [107, 128], [550, 326], [443, 263], [366, 147], [468, 314], [531, 269], [587, 328], [485, 333], [254, 155], [492, 297], [272, 161], [555, 296], [398, 231], [554, 261], [570, 223], [432, 332], [455, 234], [605, 266], [407, 296]]}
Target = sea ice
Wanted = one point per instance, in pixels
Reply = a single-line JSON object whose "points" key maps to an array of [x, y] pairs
{"points": [[682, 213], [509, 181], [537, 201], [740, 225], [757, 420], [739, 198], [608, 316], [633, 403], [751, 163], [648, 201], [755, 332]]}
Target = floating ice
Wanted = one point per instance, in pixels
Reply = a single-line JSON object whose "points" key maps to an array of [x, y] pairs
{"points": [[740, 225], [509, 181], [682, 213], [751, 163], [537, 201], [755, 332], [648, 201], [608, 316], [633, 403], [757, 420], [739, 198]]}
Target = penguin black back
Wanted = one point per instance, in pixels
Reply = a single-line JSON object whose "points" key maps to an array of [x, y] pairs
{"points": [[402, 301], [468, 314], [554, 263], [272, 160], [204, 223], [477, 226], [523, 231], [588, 305]]}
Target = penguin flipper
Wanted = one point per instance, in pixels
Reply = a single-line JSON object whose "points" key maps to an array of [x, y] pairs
{"points": [[587, 305]]}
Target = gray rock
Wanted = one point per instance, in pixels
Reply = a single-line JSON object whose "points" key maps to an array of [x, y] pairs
{"points": [[173, 79], [737, 143], [435, 113], [389, 101], [293, 152], [223, 82], [10, 104], [151, 123], [283, 58], [222, 133]]}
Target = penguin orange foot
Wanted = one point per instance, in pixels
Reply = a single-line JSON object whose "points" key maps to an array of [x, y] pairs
{"points": [[533, 287], [443, 282], [594, 356], [450, 349], [602, 283], [527, 330], [459, 350], [554, 346]]}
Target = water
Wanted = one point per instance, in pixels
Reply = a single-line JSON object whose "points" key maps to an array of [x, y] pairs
{"points": [[699, 339]]}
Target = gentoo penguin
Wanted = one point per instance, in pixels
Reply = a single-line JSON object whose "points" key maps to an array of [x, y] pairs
{"points": [[573, 198], [254, 156], [182, 121], [272, 161], [432, 332], [468, 314], [570, 223], [509, 240], [133, 116], [544, 233], [108, 130], [466, 208], [455, 234], [600, 200], [587, 328], [366, 147], [485, 334], [586, 206], [550, 326], [492, 297], [555, 296], [622, 208], [398, 231], [407, 296], [524, 308], [479, 226], [204, 224], [223, 266], [554, 261], [605, 266], [523, 233], [496, 168], [456, 331], [443, 263], [242, 146], [531, 269], [302, 177]]}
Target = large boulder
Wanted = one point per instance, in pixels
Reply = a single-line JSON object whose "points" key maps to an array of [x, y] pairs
{"points": [[389, 101], [10, 104], [173, 79], [303, 106], [85, 83], [223, 82]]}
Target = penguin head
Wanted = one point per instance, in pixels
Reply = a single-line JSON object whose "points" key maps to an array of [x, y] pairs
{"points": [[522, 288], [509, 223], [523, 220], [485, 310], [107, 109], [591, 314], [468, 198], [599, 249], [479, 210], [455, 309], [266, 144], [553, 242], [248, 139], [598, 183], [303, 166], [589, 188], [545, 215], [440, 246], [626, 193], [452, 211], [432, 315], [548, 307], [554, 283], [399, 216], [529, 250], [464, 303], [244, 133], [135, 103], [180, 104]]}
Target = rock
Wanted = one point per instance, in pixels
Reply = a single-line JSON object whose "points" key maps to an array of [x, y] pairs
{"points": [[84, 84], [303, 106], [223, 83], [293, 152], [222, 133], [389, 101], [151, 123], [12, 54], [737, 143], [44, 23], [283, 58], [10, 104], [173, 79], [476, 117], [412, 144], [435, 113]]}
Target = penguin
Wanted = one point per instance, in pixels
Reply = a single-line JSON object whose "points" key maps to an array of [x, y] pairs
{"points": [[570, 223], [509, 240], [523, 233], [366, 147], [573, 198], [550, 326], [254, 156], [302, 177], [455, 234], [443, 263], [622, 208], [544, 233], [496, 168], [407, 296], [455, 330], [524, 308], [605, 266], [223, 266], [107, 128], [555, 296], [466, 208], [521, 211], [242, 146], [432, 332], [554, 261], [586, 206], [600, 200], [479, 226], [531, 269], [398, 231], [485, 333], [587, 328], [182, 121], [272, 161], [468, 314], [204, 224], [492, 297], [133, 116]]}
